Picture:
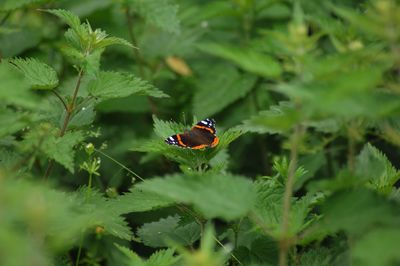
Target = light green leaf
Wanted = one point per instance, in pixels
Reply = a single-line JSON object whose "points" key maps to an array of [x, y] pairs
{"points": [[225, 196], [110, 85], [163, 257], [112, 41], [18, 40], [131, 257], [38, 74], [373, 165], [279, 119], [167, 231], [217, 91], [250, 60], [72, 20], [139, 201], [161, 13], [61, 149], [15, 90], [378, 247], [316, 257], [355, 211]]}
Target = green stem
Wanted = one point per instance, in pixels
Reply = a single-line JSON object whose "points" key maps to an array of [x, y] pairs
{"points": [[89, 188], [78, 256], [120, 164], [69, 112], [285, 240]]}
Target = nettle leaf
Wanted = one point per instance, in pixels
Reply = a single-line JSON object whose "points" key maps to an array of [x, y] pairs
{"points": [[246, 58], [112, 41], [225, 196], [269, 208], [164, 129], [378, 247], [82, 38], [355, 211], [191, 158], [14, 89], [110, 85], [279, 119], [72, 20], [316, 257], [163, 257], [14, 120], [161, 13], [61, 149], [38, 74], [139, 201], [15, 42], [131, 257], [373, 165], [168, 231], [217, 91], [98, 212]]}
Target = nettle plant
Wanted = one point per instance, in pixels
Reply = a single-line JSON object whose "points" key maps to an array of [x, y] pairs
{"points": [[323, 79]]}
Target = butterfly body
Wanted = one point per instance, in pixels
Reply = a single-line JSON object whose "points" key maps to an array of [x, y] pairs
{"points": [[202, 135]]}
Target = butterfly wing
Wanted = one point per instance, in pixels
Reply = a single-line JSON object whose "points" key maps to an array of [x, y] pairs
{"points": [[202, 135]]}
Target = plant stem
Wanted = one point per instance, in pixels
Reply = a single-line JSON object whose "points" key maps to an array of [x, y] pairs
{"points": [[285, 242], [61, 99], [89, 188], [120, 164], [78, 256], [69, 112], [350, 149]]}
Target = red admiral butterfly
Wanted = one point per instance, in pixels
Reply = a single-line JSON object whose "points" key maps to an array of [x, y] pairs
{"points": [[202, 135]]}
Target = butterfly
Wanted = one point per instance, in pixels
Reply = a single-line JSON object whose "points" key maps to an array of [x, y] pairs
{"points": [[200, 136]]}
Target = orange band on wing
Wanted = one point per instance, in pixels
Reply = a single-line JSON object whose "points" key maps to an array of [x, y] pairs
{"points": [[206, 128], [215, 142], [180, 140], [199, 146]]}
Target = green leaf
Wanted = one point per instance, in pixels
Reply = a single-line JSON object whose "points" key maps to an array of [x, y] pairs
{"points": [[355, 211], [167, 231], [61, 149], [15, 121], [316, 257], [225, 196], [131, 257], [374, 166], [38, 74], [225, 89], [139, 201], [248, 59], [161, 13], [279, 119], [110, 85], [14, 89], [112, 41], [163, 257], [17, 41], [378, 247], [72, 20]]}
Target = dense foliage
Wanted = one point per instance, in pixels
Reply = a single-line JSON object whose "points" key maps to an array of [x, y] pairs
{"points": [[306, 98]]}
